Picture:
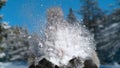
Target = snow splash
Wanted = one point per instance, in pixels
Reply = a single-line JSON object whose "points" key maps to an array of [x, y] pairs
{"points": [[65, 41]]}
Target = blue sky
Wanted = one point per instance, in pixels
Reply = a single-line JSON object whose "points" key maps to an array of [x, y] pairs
{"points": [[31, 12]]}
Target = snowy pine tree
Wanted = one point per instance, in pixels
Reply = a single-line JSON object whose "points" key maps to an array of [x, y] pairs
{"points": [[105, 29], [71, 17], [108, 38], [2, 3], [14, 43]]}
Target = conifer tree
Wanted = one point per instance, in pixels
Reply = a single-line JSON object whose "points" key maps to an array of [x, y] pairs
{"points": [[71, 17], [90, 12]]}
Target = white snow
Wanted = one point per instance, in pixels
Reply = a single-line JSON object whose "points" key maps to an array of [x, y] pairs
{"points": [[64, 41], [69, 42], [29, 37], [5, 25], [2, 55], [11, 65]]}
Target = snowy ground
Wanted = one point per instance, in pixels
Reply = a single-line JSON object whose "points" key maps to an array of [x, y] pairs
{"points": [[109, 66], [13, 65], [22, 65]]}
